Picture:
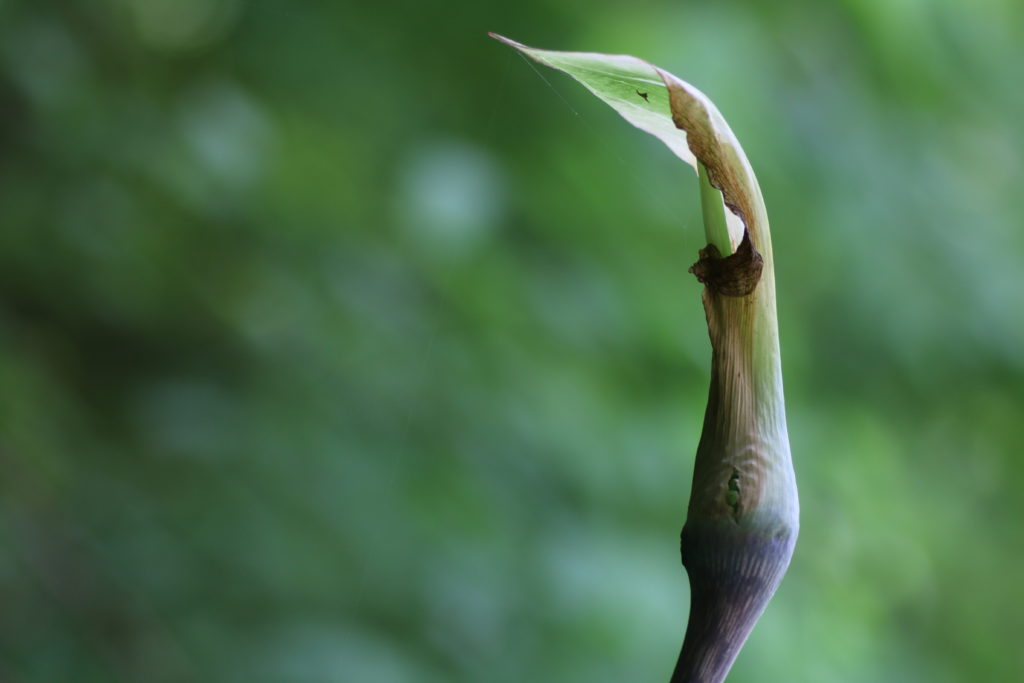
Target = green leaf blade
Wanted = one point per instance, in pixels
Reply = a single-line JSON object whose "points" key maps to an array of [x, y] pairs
{"points": [[686, 121], [619, 80]]}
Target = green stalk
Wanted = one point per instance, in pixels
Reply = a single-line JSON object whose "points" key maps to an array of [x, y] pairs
{"points": [[743, 516], [715, 228], [742, 519]]}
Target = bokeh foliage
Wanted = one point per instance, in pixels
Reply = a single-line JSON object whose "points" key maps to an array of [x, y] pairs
{"points": [[335, 345]]}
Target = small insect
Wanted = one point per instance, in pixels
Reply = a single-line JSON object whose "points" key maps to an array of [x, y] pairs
{"points": [[643, 95]]}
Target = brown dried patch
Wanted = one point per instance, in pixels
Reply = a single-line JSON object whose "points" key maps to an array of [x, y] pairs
{"points": [[734, 275]]}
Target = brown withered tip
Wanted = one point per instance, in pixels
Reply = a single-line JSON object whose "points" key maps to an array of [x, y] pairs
{"points": [[734, 275]]}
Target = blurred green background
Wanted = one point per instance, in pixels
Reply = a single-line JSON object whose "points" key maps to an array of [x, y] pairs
{"points": [[336, 345]]}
